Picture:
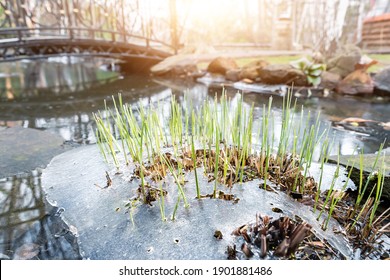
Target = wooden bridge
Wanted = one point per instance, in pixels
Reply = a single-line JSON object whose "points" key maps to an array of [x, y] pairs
{"points": [[117, 29]]}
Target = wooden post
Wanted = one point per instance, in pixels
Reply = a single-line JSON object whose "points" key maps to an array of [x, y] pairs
{"points": [[68, 14], [92, 16]]}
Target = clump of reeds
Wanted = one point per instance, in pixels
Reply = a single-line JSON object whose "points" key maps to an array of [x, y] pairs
{"points": [[361, 220], [279, 238], [222, 135], [219, 136], [358, 216]]}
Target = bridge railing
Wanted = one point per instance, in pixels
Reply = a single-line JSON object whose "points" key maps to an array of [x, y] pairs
{"points": [[22, 34]]}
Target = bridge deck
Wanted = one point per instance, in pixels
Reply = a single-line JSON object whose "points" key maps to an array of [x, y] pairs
{"points": [[19, 43]]}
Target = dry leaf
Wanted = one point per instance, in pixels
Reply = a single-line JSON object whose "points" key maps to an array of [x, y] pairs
{"points": [[246, 250], [386, 126], [247, 81], [355, 120]]}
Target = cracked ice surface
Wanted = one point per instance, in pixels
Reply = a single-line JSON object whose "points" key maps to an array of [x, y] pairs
{"points": [[105, 230]]}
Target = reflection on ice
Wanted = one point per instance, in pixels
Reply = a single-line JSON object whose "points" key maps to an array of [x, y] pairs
{"points": [[28, 229]]}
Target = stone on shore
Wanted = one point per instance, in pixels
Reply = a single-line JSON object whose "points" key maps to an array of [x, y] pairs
{"points": [[177, 65], [382, 81], [358, 82], [282, 74], [233, 75], [221, 65], [329, 80], [345, 60], [251, 70]]}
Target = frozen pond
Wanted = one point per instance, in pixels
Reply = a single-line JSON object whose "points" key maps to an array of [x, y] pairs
{"points": [[60, 100]]}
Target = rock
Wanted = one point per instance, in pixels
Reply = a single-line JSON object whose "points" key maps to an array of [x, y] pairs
{"points": [[233, 75], [257, 63], [348, 50], [344, 65], [329, 80], [282, 74], [221, 65], [186, 70], [181, 70], [249, 73], [354, 85], [251, 70], [382, 81], [345, 60], [177, 65], [358, 82]]}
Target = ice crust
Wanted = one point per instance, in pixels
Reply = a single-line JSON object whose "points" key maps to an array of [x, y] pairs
{"points": [[74, 181]]}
